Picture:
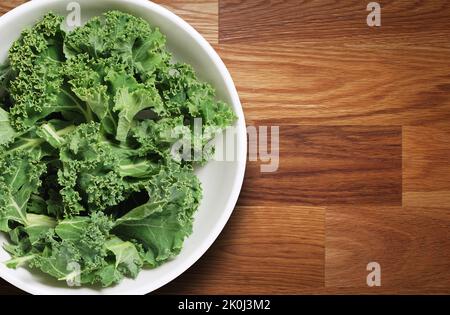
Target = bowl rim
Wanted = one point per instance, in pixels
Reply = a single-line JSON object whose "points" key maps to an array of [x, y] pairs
{"points": [[241, 143]]}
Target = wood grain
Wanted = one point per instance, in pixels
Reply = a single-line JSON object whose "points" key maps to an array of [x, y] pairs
{"points": [[253, 257], [321, 63], [203, 15], [364, 116], [426, 157], [6, 6], [324, 165], [341, 84], [296, 21], [411, 245]]}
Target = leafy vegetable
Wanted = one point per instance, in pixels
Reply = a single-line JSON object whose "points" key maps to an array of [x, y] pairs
{"points": [[89, 188], [7, 132]]}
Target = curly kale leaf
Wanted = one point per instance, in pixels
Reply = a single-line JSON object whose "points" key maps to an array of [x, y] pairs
{"points": [[20, 178], [6, 75], [7, 133], [77, 249], [39, 87], [120, 35], [96, 173], [162, 224]]}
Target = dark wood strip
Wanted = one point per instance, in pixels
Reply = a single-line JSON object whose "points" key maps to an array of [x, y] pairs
{"points": [[327, 165]]}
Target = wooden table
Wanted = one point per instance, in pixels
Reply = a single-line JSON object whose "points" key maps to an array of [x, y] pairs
{"points": [[364, 175]]}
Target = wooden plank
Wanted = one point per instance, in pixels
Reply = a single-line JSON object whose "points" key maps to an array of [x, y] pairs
{"points": [[8, 289], [426, 156], [6, 6], [325, 20], [327, 165], [426, 198], [255, 255], [178, 288], [203, 15], [341, 84], [410, 244]]}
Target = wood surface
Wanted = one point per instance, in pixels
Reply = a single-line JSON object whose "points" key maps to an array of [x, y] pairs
{"points": [[364, 174]]}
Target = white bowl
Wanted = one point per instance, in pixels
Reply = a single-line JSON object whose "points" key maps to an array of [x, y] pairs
{"points": [[222, 181]]}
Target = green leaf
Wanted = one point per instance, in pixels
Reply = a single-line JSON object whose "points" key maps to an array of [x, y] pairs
{"points": [[131, 98], [142, 211], [127, 256], [129, 104], [53, 132], [37, 205], [19, 261], [19, 180], [7, 133], [38, 225], [72, 229], [162, 233], [106, 276], [87, 82], [6, 74]]}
